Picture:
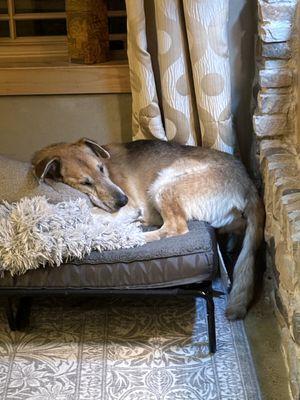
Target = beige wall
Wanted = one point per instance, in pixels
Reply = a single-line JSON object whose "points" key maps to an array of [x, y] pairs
{"points": [[29, 122]]}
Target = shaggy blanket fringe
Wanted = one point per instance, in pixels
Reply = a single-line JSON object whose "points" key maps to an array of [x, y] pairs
{"points": [[34, 232]]}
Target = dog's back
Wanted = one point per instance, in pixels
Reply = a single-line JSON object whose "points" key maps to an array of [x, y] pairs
{"points": [[136, 166]]}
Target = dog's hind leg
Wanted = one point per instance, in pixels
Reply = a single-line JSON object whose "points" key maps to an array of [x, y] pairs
{"points": [[174, 219]]}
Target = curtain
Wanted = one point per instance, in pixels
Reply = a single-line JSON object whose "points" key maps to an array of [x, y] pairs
{"points": [[188, 100]]}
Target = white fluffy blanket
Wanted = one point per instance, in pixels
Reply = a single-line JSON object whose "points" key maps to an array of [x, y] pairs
{"points": [[34, 232]]}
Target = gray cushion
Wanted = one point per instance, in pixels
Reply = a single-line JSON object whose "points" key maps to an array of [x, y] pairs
{"points": [[168, 262]]}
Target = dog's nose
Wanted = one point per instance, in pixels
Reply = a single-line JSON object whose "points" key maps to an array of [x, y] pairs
{"points": [[122, 201]]}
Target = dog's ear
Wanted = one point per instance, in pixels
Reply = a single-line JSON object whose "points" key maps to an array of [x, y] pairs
{"points": [[95, 147], [48, 168]]}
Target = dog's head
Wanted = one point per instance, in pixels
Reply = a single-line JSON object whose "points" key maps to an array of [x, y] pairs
{"points": [[84, 166]]}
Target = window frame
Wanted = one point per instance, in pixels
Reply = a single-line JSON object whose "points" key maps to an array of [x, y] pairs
{"points": [[39, 65]]}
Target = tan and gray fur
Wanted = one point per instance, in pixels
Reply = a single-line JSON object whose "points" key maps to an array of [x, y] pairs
{"points": [[171, 184]]}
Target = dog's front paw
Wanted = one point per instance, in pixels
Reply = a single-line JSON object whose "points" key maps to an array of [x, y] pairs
{"points": [[151, 236], [131, 214], [235, 311]]}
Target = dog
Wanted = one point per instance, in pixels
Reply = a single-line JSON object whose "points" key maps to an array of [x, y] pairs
{"points": [[171, 184]]}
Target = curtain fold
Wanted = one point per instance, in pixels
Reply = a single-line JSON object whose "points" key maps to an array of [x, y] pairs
{"points": [[176, 79], [194, 71], [146, 115]]}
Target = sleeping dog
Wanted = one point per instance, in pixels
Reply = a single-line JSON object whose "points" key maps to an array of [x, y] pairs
{"points": [[171, 184]]}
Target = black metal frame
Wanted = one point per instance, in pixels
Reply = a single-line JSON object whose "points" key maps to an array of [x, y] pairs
{"points": [[18, 317]]}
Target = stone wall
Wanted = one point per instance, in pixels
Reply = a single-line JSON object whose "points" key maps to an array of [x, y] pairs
{"points": [[275, 125]]}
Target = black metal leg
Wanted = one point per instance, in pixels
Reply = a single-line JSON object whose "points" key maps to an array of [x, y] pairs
{"points": [[23, 313], [10, 314], [210, 308]]}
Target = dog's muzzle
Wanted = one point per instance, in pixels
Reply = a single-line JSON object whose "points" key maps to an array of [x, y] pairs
{"points": [[121, 201]]}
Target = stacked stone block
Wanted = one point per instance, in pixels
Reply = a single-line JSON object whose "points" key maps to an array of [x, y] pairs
{"points": [[275, 126]]}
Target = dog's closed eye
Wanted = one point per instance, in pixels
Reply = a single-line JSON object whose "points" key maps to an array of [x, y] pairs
{"points": [[101, 169], [87, 182]]}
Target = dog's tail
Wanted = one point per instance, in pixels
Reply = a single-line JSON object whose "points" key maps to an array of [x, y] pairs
{"points": [[243, 276]]}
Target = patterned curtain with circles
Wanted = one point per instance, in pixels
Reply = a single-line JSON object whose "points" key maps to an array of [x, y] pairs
{"points": [[194, 73]]}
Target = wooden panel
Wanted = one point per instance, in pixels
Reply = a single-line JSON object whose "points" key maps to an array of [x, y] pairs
{"points": [[33, 48], [33, 16], [34, 39], [12, 24], [112, 77]]}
